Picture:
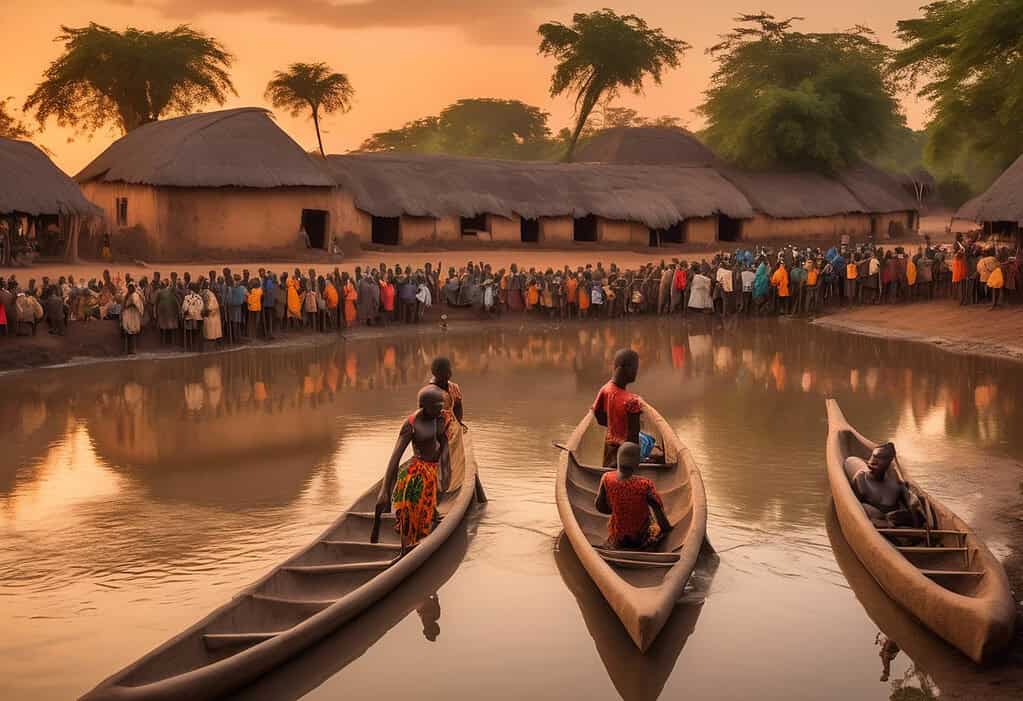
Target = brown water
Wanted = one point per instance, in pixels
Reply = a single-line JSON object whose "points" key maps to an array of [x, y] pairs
{"points": [[136, 497]]}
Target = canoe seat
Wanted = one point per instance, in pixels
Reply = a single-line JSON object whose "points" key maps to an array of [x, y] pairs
{"points": [[635, 563], [215, 641], [363, 544], [919, 531], [370, 515], [339, 567], [951, 573], [309, 605], [929, 549], [638, 555]]}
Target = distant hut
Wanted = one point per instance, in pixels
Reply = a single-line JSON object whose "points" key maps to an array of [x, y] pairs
{"points": [[392, 199], [893, 212], [225, 180], [1000, 208], [645, 146], [39, 204]]}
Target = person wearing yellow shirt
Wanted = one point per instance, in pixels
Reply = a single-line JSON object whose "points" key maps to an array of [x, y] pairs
{"points": [[811, 289], [852, 272], [254, 303]]}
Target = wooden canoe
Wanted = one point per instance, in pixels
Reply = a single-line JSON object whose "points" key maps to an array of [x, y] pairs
{"points": [[339, 575], [642, 587], [954, 586]]}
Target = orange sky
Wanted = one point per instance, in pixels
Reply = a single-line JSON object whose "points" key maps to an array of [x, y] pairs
{"points": [[406, 58]]}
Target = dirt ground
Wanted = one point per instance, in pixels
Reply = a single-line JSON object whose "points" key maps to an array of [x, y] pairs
{"points": [[943, 323]]}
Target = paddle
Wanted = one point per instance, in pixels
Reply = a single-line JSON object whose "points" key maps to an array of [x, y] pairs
{"points": [[374, 535]]}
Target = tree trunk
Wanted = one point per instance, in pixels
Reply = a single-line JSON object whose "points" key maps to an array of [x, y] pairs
{"points": [[316, 123], [590, 99], [71, 252]]}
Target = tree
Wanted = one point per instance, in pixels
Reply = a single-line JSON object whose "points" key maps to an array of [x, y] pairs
{"points": [[313, 86], [782, 98], [967, 59], [11, 127], [130, 78], [473, 127], [600, 54]]}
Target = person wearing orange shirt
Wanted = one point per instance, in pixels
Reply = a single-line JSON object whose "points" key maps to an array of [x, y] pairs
{"points": [[583, 295], [333, 300], [351, 296], [571, 295], [780, 283], [254, 302]]}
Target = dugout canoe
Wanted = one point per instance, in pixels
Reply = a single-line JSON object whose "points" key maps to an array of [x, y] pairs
{"points": [[949, 581], [641, 587], [305, 599]]}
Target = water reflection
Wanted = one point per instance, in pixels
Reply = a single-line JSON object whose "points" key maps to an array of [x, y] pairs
{"points": [[149, 492]]}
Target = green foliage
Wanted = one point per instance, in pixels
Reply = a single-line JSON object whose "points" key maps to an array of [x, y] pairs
{"points": [[11, 127], [966, 57], [782, 98], [312, 86], [602, 53], [953, 191], [474, 127], [130, 78]]}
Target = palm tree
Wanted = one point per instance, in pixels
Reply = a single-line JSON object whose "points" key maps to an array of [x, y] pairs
{"points": [[130, 78], [602, 52], [313, 86]]}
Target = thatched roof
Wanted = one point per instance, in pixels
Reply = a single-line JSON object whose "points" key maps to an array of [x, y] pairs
{"points": [[389, 185], [645, 145], [31, 184], [793, 195], [877, 190], [1003, 201], [229, 148]]}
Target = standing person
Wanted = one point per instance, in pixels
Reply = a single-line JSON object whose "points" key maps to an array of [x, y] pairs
{"points": [[387, 298], [254, 304], [332, 300], [212, 328], [310, 305], [584, 295], [350, 296], [618, 409], [423, 298], [453, 412], [678, 287], [571, 294], [281, 301], [699, 295], [236, 310], [294, 301], [131, 319], [369, 299], [269, 304], [725, 284], [53, 306], [192, 316], [407, 298], [958, 265], [167, 312], [664, 289], [852, 272], [4, 301], [780, 283], [412, 488], [637, 512]]}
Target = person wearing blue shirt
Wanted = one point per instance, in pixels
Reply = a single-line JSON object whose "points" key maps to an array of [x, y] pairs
{"points": [[269, 300]]}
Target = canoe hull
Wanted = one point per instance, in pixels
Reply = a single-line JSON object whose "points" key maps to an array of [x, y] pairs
{"points": [[979, 623], [234, 671], [643, 610]]}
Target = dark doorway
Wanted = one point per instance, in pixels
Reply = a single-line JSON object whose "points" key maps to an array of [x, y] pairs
{"points": [[314, 221], [873, 226], [585, 228], [386, 230], [529, 230], [673, 234], [472, 226], [729, 229]]}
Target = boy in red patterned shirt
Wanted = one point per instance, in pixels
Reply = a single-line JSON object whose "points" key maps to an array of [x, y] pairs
{"points": [[637, 513], [617, 408]]}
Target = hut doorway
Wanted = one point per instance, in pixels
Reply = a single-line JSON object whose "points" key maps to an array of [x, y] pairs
{"points": [[672, 235], [529, 230], [386, 231], [474, 226], [729, 229], [584, 229], [314, 221]]}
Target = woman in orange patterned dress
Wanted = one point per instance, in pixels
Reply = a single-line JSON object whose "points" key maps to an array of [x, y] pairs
{"points": [[413, 487]]}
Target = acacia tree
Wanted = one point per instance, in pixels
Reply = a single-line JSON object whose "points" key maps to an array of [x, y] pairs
{"points": [[311, 86], [130, 78], [601, 53], [967, 59], [11, 127], [782, 98]]}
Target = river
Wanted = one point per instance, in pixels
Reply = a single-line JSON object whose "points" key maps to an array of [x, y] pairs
{"points": [[137, 496]]}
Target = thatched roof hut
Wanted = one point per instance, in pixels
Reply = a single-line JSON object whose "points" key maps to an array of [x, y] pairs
{"points": [[391, 185], [645, 145], [794, 195], [878, 191], [31, 184], [1002, 202], [228, 148]]}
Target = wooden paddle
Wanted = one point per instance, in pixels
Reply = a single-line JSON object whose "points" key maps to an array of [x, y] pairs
{"points": [[374, 535]]}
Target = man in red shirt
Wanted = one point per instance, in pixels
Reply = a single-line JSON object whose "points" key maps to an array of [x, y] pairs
{"points": [[617, 408]]}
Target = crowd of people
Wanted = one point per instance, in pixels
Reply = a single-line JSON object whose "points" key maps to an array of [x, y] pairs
{"points": [[230, 307]]}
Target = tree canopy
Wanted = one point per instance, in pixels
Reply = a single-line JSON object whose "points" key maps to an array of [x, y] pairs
{"points": [[601, 53], [783, 98], [312, 86], [11, 127], [473, 127], [127, 79], [966, 57]]}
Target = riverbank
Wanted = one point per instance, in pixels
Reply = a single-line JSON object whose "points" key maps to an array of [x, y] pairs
{"points": [[943, 323]]}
